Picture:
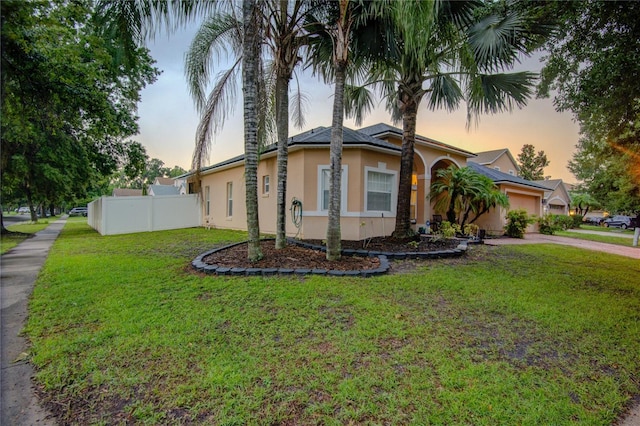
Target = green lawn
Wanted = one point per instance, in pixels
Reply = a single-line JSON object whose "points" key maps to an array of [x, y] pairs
{"points": [[22, 232], [124, 332], [610, 239]]}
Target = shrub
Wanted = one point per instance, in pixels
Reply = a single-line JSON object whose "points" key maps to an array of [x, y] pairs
{"points": [[471, 230], [517, 221], [577, 220], [547, 224], [562, 221], [449, 230]]}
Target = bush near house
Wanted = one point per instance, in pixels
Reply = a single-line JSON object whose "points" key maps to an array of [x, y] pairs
{"points": [[517, 222]]}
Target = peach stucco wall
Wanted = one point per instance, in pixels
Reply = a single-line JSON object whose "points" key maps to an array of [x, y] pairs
{"points": [[519, 198], [505, 164], [356, 222], [302, 184]]}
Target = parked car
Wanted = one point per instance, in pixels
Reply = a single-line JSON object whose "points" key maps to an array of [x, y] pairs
{"points": [[78, 211], [24, 210], [593, 220], [617, 221]]}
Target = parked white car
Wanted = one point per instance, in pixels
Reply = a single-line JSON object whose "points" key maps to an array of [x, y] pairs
{"points": [[78, 211]]}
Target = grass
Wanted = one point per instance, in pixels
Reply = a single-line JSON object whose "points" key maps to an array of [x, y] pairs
{"points": [[124, 332], [610, 239], [616, 235], [20, 232]]}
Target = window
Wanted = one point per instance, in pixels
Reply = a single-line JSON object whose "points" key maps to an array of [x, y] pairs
{"points": [[265, 184], [324, 177], [496, 168], [380, 190], [512, 173], [207, 200], [324, 184], [229, 199]]}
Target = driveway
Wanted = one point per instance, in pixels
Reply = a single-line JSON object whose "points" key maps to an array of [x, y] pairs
{"points": [[633, 252]]}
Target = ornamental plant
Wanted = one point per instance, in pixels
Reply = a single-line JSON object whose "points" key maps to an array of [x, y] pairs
{"points": [[517, 222]]}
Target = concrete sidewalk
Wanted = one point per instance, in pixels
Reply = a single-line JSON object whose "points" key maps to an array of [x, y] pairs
{"points": [[19, 270]]}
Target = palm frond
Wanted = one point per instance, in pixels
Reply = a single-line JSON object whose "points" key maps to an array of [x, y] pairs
{"points": [[445, 93], [219, 103], [214, 38], [299, 105], [358, 102], [490, 94], [496, 41]]}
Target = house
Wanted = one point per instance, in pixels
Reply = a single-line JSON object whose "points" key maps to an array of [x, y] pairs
{"points": [[180, 184], [163, 181], [160, 190], [126, 192], [498, 159], [557, 199], [522, 193], [370, 176]]}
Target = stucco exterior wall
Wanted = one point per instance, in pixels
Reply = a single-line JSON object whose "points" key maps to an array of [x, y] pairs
{"points": [[505, 165], [519, 198]]}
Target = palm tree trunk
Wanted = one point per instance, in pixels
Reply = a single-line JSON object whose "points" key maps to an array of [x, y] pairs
{"points": [[282, 124], [250, 71], [403, 209], [334, 235]]}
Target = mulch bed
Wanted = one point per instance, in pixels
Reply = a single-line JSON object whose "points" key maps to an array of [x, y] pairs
{"points": [[296, 257]]}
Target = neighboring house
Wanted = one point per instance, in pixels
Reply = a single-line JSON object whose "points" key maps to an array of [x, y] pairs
{"points": [[370, 173], [126, 192], [557, 199], [164, 181], [522, 193], [160, 190], [499, 159]]}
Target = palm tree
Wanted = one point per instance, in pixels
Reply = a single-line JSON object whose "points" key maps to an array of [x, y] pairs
{"points": [[285, 35], [582, 202], [441, 53], [250, 73], [343, 42], [454, 189], [487, 198]]}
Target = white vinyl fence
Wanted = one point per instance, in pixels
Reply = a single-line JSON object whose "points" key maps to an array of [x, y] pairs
{"points": [[125, 215]]}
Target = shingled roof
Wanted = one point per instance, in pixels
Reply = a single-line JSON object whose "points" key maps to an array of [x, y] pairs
{"points": [[500, 177], [319, 136], [382, 129]]}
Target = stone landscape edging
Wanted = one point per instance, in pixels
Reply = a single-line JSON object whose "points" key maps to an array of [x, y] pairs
{"points": [[384, 258]]}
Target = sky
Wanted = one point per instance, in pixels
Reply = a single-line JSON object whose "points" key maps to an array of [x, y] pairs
{"points": [[168, 118]]}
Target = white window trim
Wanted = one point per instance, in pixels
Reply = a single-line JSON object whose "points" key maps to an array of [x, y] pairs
{"points": [[344, 184], [229, 198], [266, 185], [496, 168], [207, 199], [394, 189]]}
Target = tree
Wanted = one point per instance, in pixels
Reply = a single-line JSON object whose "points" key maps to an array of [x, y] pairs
{"points": [[343, 42], [611, 177], [462, 191], [447, 52], [250, 71], [532, 164], [67, 105], [592, 66], [582, 202], [285, 36]]}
